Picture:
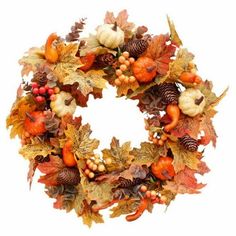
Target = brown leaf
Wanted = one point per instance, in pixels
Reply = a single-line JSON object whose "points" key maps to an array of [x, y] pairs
{"points": [[174, 37], [124, 89], [120, 155], [182, 157], [121, 21], [161, 52], [147, 154], [32, 167]]}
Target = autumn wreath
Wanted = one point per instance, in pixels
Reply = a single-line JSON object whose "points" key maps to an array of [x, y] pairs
{"points": [[153, 69]]}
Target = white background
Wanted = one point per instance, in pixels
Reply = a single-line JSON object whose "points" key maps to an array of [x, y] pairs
{"points": [[207, 28]]}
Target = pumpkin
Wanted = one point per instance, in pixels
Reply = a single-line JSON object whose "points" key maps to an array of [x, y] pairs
{"points": [[110, 35], [64, 103], [144, 69], [163, 168], [192, 102]]}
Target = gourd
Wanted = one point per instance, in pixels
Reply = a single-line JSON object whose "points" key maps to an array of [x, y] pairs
{"points": [[189, 77], [110, 35], [172, 110], [144, 69], [192, 102], [67, 154], [51, 54], [64, 103], [163, 168]]}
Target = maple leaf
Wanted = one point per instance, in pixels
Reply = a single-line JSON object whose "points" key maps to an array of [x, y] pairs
{"points": [[161, 52], [79, 201], [147, 153], [87, 81], [123, 89], [124, 207], [18, 114], [187, 125], [121, 21], [120, 155], [32, 61], [174, 37], [83, 147], [184, 182], [183, 157], [30, 151], [50, 169]]}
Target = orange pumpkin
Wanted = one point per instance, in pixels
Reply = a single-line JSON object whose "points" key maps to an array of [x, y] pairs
{"points": [[88, 61], [163, 168], [68, 156], [144, 69]]}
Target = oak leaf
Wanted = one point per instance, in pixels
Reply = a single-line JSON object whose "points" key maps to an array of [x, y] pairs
{"points": [[120, 155], [147, 153], [83, 146], [32, 61], [87, 81], [124, 88], [30, 151], [161, 52], [121, 20], [174, 37], [183, 157]]}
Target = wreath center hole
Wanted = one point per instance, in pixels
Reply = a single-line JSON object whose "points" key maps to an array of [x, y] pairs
{"points": [[111, 116]]}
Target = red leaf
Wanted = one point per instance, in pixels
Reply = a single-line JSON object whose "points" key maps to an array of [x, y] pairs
{"points": [[58, 204], [49, 179]]}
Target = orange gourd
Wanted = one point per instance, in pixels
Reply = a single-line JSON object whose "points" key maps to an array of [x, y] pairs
{"points": [[173, 112], [189, 77], [144, 69], [163, 168], [51, 53], [68, 156], [88, 61]]}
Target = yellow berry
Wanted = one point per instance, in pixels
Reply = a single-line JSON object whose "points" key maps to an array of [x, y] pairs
{"points": [[127, 63], [97, 161], [126, 80], [101, 167], [90, 166], [117, 82], [123, 67], [118, 72], [108, 161], [88, 161], [91, 175], [125, 54], [131, 60], [94, 168], [122, 77], [153, 193], [143, 188], [87, 171], [121, 59], [132, 79]]}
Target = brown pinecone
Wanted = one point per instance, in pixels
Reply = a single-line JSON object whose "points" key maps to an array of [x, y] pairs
{"points": [[40, 78], [189, 143], [105, 60], [127, 183], [169, 93], [136, 47], [68, 176], [51, 122]]}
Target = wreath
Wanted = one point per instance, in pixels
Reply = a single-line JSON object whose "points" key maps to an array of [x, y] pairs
{"points": [[156, 70]]}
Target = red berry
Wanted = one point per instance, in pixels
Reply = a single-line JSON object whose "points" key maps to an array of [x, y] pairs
{"points": [[35, 91], [34, 85], [42, 90], [53, 97], [46, 87], [50, 91], [40, 99]]}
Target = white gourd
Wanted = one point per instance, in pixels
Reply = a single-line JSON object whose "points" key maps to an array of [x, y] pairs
{"points": [[59, 105], [188, 102], [109, 35]]}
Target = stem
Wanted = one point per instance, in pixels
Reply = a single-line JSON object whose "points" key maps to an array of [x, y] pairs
{"points": [[199, 100], [30, 117], [150, 69], [115, 26], [68, 101]]}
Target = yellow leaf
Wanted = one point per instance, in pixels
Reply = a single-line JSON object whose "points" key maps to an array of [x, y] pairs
{"points": [[173, 34], [182, 157], [83, 146], [87, 81], [78, 203], [32, 61], [30, 151], [124, 88], [120, 155]]}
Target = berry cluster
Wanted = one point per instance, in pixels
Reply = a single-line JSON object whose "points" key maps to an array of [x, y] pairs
{"points": [[123, 73]]}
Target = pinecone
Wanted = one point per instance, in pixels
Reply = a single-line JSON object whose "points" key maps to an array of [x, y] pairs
{"points": [[105, 60], [68, 176], [51, 122], [136, 47], [40, 78], [189, 143], [169, 93], [127, 183]]}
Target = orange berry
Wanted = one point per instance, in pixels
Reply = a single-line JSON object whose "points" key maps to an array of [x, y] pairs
{"points": [[118, 72], [56, 90], [132, 79], [117, 82], [101, 167], [126, 80], [108, 161], [125, 54], [127, 63], [97, 161], [95, 167], [122, 77], [91, 175], [160, 142], [131, 60], [87, 171], [88, 161], [148, 194], [121, 59], [123, 67], [153, 193], [143, 188], [27, 134], [90, 166]]}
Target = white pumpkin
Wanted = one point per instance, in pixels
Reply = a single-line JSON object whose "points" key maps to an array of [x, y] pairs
{"points": [[63, 104], [192, 102], [110, 35]]}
